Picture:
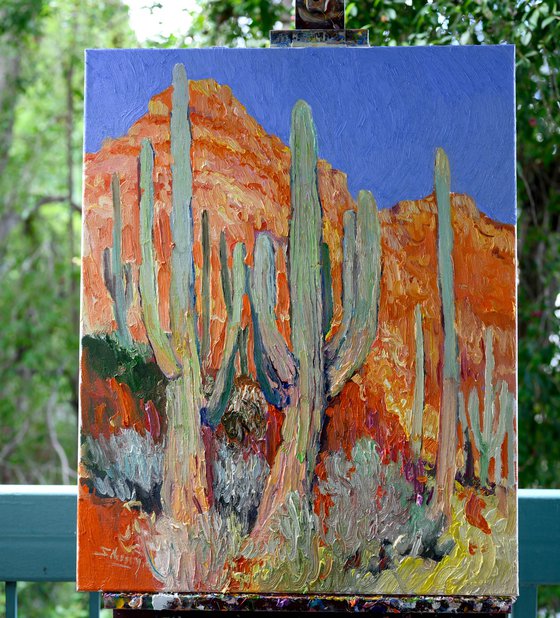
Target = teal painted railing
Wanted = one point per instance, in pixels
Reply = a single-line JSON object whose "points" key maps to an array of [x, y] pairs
{"points": [[38, 538], [38, 541]]}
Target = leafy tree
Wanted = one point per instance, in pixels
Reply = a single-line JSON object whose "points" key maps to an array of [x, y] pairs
{"points": [[40, 167], [41, 108]]}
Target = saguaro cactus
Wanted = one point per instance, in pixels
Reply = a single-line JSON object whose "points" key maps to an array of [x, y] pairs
{"points": [[489, 438], [447, 436], [184, 491], [418, 404], [303, 382], [116, 273]]}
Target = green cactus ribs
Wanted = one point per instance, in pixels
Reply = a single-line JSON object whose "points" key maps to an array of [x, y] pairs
{"points": [[447, 435]]}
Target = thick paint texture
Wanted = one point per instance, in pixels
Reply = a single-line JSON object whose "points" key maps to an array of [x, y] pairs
{"points": [[289, 385]]}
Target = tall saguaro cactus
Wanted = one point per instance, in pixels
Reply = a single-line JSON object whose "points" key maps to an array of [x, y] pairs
{"points": [[184, 491], [304, 380], [117, 274], [447, 436], [306, 292]]}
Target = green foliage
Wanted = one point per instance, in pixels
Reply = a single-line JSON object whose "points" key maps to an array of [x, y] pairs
{"points": [[238, 22], [548, 601], [21, 18], [49, 599], [40, 168], [132, 367]]}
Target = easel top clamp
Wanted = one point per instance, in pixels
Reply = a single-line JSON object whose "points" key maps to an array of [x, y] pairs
{"points": [[320, 23]]}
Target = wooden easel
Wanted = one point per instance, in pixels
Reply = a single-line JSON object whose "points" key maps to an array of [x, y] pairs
{"points": [[318, 23]]}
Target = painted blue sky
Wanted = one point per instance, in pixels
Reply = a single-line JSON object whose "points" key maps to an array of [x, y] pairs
{"points": [[380, 112]]}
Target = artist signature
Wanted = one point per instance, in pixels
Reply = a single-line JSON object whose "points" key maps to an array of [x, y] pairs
{"points": [[119, 559]]}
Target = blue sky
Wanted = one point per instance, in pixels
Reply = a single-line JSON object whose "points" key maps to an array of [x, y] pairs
{"points": [[380, 112]]}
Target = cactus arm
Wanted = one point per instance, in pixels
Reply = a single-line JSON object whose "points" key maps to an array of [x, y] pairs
{"points": [[348, 283], [128, 286], [121, 271], [205, 340], [511, 442], [488, 386], [465, 430], [474, 415], [418, 405], [306, 227], [478, 436], [363, 324], [116, 254], [148, 287], [225, 276], [463, 413], [499, 434], [108, 276], [181, 297], [242, 338], [275, 364], [327, 288], [224, 378]]}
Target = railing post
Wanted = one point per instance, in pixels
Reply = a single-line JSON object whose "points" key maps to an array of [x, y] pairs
{"points": [[94, 604], [526, 604], [11, 599]]}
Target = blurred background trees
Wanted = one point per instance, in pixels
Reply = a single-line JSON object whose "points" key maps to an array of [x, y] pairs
{"points": [[41, 109], [41, 103]]}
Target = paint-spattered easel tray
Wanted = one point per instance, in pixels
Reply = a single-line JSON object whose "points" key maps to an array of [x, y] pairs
{"points": [[298, 364], [411, 606]]}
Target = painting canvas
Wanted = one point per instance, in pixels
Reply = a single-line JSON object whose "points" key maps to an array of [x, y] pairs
{"points": [[298, 352]]}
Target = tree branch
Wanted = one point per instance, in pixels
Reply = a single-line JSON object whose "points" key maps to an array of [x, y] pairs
{"points": [[11, 219]]}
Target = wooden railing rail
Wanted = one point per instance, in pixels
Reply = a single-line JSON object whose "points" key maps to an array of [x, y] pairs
{"points": [[38, 541]]}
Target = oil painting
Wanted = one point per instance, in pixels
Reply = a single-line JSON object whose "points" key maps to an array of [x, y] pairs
{"points": [[298, 346]]}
